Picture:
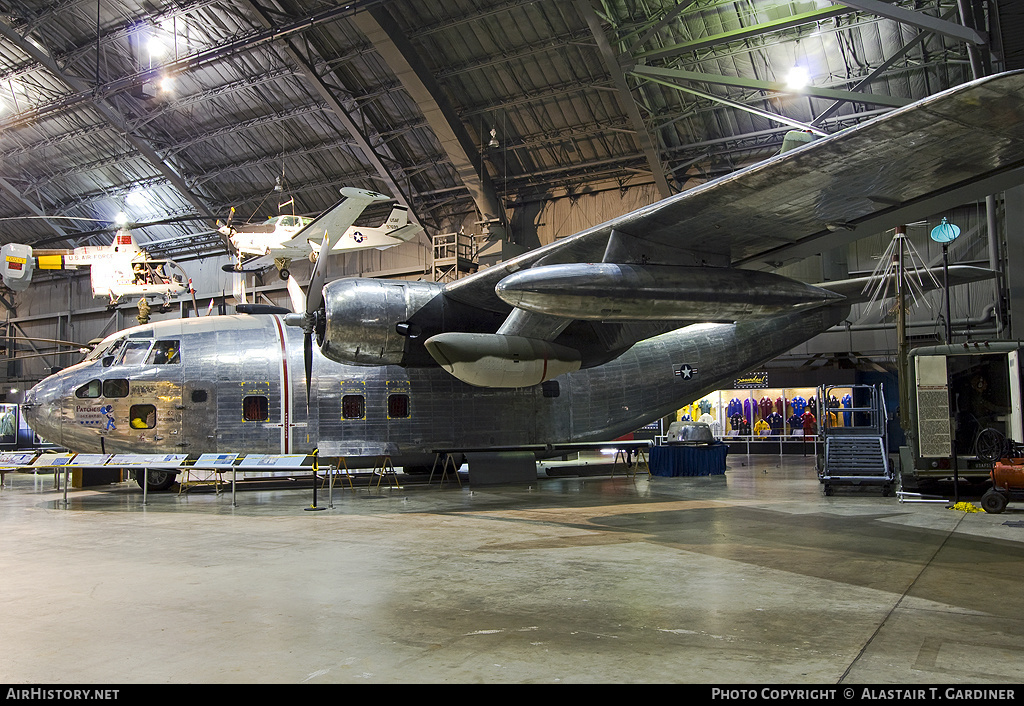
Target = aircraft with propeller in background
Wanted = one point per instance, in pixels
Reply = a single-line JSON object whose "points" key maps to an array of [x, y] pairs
{"points": [[283, 238], [581, 340]]}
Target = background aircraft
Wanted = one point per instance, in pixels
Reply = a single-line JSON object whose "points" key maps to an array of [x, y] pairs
{"points": [[116, 270], [584, 339], [283, 238]]}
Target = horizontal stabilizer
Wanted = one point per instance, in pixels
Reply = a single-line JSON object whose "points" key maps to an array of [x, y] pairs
{"points": [[853, 289], [406, 232]]}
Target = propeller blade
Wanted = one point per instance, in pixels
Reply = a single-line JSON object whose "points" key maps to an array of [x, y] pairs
{"points": [[307, 358], [298, 297]]}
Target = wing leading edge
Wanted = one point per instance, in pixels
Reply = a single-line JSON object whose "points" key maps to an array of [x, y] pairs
{"points": [[831, 191]]}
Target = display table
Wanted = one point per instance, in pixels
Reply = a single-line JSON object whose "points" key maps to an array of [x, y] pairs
{"points": [[688, 460]]}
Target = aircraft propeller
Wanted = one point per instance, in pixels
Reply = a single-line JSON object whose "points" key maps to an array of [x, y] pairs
{"points": [[311, 306]]}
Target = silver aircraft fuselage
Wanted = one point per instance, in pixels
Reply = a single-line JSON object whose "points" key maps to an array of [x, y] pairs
{"points": [[237, 385]]}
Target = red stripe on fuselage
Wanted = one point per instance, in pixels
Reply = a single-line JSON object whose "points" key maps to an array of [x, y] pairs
{"points": [[286, 391]]}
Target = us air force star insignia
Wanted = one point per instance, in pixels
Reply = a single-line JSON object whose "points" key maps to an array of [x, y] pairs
{"points": [[686, 372]]}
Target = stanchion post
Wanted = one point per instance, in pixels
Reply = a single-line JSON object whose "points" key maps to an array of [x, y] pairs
{"points": [[315, 469]]}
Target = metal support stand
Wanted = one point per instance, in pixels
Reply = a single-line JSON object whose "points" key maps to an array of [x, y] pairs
{"points": [[386, 468], [448, 462], [316, 467]]}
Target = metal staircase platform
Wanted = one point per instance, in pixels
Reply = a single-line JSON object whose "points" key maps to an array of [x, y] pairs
{"points": [[857, 454]]}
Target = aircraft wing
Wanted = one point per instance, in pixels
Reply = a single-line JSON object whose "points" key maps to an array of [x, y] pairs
{"points": [[336, 220], [948, 149]]}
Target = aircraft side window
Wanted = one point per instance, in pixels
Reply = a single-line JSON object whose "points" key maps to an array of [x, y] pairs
{"points": [[89, 390], [165, 353], [115, 387], [353, 407], [398, 406], [142, 416], [135, 352], [256, 408]]}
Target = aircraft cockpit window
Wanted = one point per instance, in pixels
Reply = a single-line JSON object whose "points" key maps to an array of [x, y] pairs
{"points": [[135, 352], [165, 353], [143, 416], [353, 407], [398, 406], [89, 390], [115, 387], [104, 348], [256, 408]]}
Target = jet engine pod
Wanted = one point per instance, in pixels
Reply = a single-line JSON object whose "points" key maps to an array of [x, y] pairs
{"points": [[363, 317], [16, 265], [612, 292], [497, 360]]}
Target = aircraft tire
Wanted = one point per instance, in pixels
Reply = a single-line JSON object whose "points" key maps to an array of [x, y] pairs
{"points": [[284, 273], [158, 479]]}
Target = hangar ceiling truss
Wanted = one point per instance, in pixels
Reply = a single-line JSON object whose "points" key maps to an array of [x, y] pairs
{"points": [[459, 110]]}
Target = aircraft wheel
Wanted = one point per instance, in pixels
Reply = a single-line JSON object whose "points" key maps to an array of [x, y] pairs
{"points": [[993, 501], [828, 489], [284, 273], [158, 479]]}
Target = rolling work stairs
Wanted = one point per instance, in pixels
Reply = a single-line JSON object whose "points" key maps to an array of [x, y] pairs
{"points": [[854, 435]]}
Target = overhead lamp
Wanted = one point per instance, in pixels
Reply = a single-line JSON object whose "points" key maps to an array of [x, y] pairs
{"points": [[946, 233], [166, 84], [798, 78], [494, 138], [121, 219]]}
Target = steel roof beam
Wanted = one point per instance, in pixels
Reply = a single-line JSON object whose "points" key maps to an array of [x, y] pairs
{"points": [[918, 19], [745, 32], [112, 116], [773, 86], [625, 97], [774, 117], [336, 107], [398, 53], [13, 191]]}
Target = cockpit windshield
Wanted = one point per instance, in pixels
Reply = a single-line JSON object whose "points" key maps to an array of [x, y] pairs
{"points": [[135, 352], [289, 221], [107, 345]]}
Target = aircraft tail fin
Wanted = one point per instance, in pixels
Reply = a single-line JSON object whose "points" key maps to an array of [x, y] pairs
{"points": [[398, 217]]}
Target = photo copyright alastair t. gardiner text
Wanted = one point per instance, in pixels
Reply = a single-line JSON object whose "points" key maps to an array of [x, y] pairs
{"points": [[866, 693]]}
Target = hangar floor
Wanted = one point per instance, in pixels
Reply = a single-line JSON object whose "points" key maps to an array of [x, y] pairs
{"points": [[751, 577]]}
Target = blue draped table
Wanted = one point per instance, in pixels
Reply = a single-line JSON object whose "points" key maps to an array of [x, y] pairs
{"points": [[687, 460]]}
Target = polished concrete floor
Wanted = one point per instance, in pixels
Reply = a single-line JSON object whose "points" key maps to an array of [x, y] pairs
{"points": [[754, 577]]}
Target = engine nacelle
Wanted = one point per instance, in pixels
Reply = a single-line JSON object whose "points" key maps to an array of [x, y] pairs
{"points": [[497, 360], [363, 318]]}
